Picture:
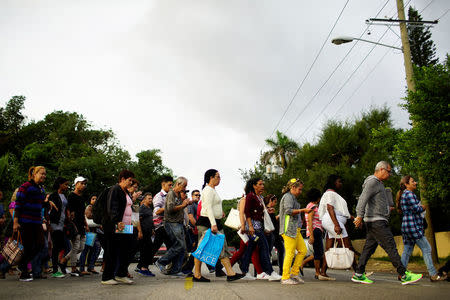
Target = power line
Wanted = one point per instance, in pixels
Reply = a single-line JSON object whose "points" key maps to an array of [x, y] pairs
{"points": [[348, 79], [373, 69], [443, 14], [362, 82], [332, 73], [309, 71]]}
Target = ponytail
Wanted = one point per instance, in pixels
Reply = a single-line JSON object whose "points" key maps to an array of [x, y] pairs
{"points": [[33, 170], [294, 182], [207, 178]]}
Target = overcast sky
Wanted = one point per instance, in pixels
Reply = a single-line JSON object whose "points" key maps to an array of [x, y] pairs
{"points": [[204, 81]]}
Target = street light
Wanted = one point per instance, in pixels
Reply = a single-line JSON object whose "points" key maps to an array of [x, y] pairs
{"points": [[345, 39]]}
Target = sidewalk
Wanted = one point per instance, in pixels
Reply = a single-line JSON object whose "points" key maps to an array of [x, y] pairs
{"points": [[386, 286]]}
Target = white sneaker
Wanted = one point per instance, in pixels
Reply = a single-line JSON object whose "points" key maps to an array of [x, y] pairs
{"points": [[289, 281], [249, 276], [124, 280], [110, 282], [297, 278], [274, 276], [262, 276]]}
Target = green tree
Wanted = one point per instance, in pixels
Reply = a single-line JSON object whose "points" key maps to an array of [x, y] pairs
{"points": [[423, 50], [149, 170], [349, 149], [283, 149], [424, 149], [11, 122]]}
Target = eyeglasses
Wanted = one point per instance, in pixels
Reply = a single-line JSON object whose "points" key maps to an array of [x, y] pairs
{"points": [[195, 195], [389, 171], [185, 191]]}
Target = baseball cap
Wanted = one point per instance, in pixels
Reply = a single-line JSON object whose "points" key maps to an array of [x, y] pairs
{"points": [[79, 179]]}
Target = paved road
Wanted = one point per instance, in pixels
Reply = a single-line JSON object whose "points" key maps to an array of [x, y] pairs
{"points": [[164, 287]]}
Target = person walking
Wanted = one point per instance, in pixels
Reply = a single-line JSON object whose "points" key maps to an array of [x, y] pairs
{"points": [[173, 223], [210, 218], [28, 219], [290, 226], [76, 208], [159, 201], [333, 213], [274, 238], [413, 231], [145, 232], [58, 216], [118, 214], [373, 206], [91, 253], [314, 231], [254, 214]]}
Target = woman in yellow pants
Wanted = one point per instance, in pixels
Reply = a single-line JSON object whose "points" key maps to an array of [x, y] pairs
{"points": [[290, 226]]}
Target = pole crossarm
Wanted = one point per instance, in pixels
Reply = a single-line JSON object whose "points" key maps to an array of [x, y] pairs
{"points": [[402, 21]]}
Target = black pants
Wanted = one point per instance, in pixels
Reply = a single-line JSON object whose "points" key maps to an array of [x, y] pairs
{"points": [[160, 237], [145, 249], [379, 233], [33, 241], [116, 252], [58, 245]]}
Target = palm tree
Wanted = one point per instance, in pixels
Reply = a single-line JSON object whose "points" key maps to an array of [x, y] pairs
{"points": [[283, 149]]}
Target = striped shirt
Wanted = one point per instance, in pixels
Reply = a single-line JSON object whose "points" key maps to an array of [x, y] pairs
{"points": [[29, 200], [316, 223]]}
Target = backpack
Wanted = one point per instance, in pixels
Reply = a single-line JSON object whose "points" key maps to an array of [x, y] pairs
{"points": [[99, 212]]}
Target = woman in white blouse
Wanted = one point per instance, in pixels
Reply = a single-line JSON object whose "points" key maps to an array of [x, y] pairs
{"points": [[333, 212], [210, 218]]}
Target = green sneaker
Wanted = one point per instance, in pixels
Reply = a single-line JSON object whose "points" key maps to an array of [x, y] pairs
{"points": [[409, 278], [58, 275], [361, 279]]}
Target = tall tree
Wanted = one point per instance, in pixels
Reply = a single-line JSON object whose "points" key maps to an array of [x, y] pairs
{"points": [[423, 50], [283, 149], [149, 169], [424, 149]]}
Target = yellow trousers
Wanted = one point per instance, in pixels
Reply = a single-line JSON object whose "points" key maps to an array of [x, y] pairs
{"points": [[290, 245]]}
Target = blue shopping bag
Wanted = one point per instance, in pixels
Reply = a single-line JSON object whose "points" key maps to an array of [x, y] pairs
{"points": [[90, 238], [210, 247]]}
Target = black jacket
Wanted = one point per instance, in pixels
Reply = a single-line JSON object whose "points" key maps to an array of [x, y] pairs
{"points": [[55, 215], [115, 207]]}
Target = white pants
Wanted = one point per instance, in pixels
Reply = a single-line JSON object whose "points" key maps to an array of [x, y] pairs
{"points": [[328, 225]]}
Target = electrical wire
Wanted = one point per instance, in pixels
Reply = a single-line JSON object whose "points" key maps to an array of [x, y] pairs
{"points": [[345, 83], [309, 70], [332, 73]]}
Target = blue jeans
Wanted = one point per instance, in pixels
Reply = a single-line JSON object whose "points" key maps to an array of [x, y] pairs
{"points": [[175, 254], [264, 255], [426, 253], [92, 253], [39, 259]]}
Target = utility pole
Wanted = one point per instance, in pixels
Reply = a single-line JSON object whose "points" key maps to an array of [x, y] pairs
{"points": [[406, 48], [429, 232]]}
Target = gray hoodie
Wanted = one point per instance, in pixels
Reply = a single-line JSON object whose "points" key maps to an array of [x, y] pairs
{"points": [[373, 203]]}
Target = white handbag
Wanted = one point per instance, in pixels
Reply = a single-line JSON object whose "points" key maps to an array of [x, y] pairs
{"points": [[233, 220], [268, 225], [339, 258]]}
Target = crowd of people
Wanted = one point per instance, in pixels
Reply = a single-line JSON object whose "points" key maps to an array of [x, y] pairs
{"points": [[72, 229]]}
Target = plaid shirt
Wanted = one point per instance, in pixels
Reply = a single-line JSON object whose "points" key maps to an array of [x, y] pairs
{"points": [[412, 222]]}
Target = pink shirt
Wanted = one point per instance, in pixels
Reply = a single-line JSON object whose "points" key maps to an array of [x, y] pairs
{"points": [[128, 211], [316, 223]]}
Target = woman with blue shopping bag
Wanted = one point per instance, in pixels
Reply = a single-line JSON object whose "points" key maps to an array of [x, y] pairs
{"points": [[210, 218]]}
